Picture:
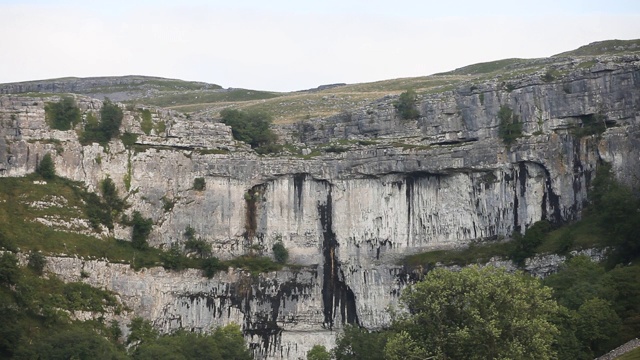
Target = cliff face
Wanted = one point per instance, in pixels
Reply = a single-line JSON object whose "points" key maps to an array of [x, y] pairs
{"points": [[441, 181]]}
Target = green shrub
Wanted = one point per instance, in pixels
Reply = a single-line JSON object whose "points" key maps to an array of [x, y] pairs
{"points": [[161, 127], [406, 105], [592, 124], [173, 259], [198, 246], [9, 270], [141, 230], [524, 246], [250, 127], [128, 139], [36, 262], [210, 266], [280, 253], [147, 124], [62, 115], [107, 128], [199, 184], [46, 168], [510, 128]]}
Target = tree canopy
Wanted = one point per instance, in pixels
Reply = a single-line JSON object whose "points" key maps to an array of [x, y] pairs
{"points": [[477, 313], [251, 127]]}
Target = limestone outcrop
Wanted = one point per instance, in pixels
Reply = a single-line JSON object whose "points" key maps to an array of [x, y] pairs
{"points": [[347, 218]]}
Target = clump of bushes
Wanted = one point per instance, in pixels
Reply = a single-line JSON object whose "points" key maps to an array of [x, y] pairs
{"points": [[62, 115], [406, 105], [251, 127], [107, 128]]}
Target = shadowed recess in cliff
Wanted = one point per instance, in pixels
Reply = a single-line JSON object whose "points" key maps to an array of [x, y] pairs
{"points": [[336, 295], [298, 187], [251, 198], [411, 180]]}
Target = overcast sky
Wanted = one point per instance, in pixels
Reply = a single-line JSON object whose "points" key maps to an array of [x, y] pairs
{"points": [[285, 45]]}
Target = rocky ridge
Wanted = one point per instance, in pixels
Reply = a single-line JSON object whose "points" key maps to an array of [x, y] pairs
{"points": [[397, 187]]}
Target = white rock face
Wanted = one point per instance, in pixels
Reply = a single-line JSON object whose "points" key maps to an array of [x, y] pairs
{"points": [[347, 219]]}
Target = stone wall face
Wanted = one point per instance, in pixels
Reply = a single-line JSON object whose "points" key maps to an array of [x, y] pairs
{"points": [[346, 218]]}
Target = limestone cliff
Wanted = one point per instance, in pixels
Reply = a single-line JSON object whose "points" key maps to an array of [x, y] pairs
{"points": [[399, 187]]}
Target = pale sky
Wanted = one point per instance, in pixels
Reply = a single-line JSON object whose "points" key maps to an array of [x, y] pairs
{"points": [[285, 45]]}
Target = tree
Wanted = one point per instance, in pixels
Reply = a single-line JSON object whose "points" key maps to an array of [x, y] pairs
{"points": [[9, 270], [318, 352], [107, 128], [37, 262], [406, 105], [596, 325], [402, 347], [480, 313], [510, 127], [280, 253], [141, 230], [62, 115], [251, 127], [46, 168], [199, 184], [110, 119], [356, 343]]}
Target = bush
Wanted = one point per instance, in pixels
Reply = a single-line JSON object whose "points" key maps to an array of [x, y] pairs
{"points": [[9, 270], [199, 184], [199, 246], [510, 128], [250, 127], [524, 246], [173, 259], [210, 266], [62, 115], [146, 125], [128, 139], [46, 168], [107, 128], [37, 262], [141, 230], [280, 253], [406, 105]]}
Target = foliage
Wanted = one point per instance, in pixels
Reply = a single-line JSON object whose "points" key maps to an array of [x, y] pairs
{"points": [[250, 127], [9, 270], [62, 115], [173, 259], [592, 124], [255, 264], [596, 325], [211, 265], [224, 343], [524, 246], [406, 105], [46, 168], [141, 330], [73, 343], [128, 139], [198, 246], [480, 314], [356, 343], [280, 253], [318, 352], [146, 125], [617, 211], [36, 262], [402, 347], [107, 128], [140, 231], [199, 184], [510, 127], [106, 210], [161, 127]]}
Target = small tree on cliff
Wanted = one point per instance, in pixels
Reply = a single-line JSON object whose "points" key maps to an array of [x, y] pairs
{"points": [[46, 168]]}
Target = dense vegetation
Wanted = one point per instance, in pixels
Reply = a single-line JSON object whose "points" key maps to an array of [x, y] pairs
{"points": [[62, 115], [251, 127], [106, 128], [36, 323], [406, 105]]}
